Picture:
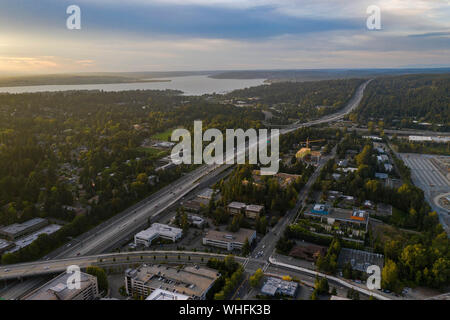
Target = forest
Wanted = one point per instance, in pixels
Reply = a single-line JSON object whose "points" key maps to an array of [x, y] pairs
{"points": [[412, 101], [83, 149], [302, 101]]}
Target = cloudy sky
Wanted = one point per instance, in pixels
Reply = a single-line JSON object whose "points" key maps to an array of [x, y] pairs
{"points": [[170, 35]]}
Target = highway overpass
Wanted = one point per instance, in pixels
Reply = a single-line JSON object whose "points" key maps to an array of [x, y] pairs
{"points": [[41, 268]]}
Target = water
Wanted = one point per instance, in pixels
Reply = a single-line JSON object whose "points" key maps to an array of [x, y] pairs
{"points": [[190, 85]]}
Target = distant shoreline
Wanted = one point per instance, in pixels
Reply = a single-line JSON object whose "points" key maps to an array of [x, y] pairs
{"points": [[32, 81]]}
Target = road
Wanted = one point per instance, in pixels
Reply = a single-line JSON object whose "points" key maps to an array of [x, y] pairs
{"points": [[132, 220]]}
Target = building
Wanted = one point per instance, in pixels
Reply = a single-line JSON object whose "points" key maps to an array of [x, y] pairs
{"points": [[5, 245], [338, 298], [382, 176], [308, 252], [341, 221], [17, 230], [196, 221], [236, 207], [382, 158], [152, 180], [192, 205], [164, 144], [388, 167], [206, 194], [274, 286], [229, 240], [369, 204], [57, 289], [349, 169], [191, 281], [29, 239], [157, 230], [343, 163], [254, 211], [320, 209], [160, 294], [284, 179]]}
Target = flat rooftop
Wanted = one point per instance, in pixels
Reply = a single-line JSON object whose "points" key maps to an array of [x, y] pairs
{"points": [[206, 193], [56, 289], [159, 229], [190, 280], [254, 207], [4, 244], [19, 227], [236, 205], [29, 239], [275, 285], [343, 214], [227, 236], [160, 294]]}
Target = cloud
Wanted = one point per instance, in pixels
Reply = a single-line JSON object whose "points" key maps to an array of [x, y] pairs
{"points": [[136, 35]]}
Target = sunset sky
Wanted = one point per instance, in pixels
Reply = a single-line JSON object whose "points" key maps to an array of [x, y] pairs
{"points": [[169, 35]]}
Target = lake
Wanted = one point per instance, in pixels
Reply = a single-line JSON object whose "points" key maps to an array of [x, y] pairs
{"points": [[190, 85]]}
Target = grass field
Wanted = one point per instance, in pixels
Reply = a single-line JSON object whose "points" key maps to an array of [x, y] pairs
{"points": [[163, 136], [154, 153]]}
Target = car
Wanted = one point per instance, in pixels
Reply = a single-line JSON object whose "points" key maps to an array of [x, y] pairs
{"points": [[6, 270], [46, 267]]}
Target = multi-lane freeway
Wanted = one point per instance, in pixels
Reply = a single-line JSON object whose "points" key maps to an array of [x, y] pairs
{"points": [[108, 234]]}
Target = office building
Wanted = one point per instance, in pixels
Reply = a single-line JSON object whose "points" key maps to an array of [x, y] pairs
{"points": [[157, 230], [254, 211], [17, 230], [274, 286], [160, 294], [229, 240], [191, 281], [57, 289]]}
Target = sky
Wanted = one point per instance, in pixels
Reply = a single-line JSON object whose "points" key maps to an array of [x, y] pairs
{"points": [[181, 35]]}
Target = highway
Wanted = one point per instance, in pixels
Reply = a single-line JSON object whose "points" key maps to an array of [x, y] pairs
{"points": [[120, 227], [41, 268]]}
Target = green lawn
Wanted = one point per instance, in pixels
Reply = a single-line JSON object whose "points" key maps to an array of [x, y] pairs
{"points": [[154, 153], [163, 136]]}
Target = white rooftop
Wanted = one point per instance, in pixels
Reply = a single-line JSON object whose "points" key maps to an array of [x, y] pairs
{"points": [[157, 229], [160, 294]]}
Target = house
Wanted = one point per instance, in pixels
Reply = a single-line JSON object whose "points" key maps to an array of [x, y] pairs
{"points": [[343, 163], [382, 176], [152, 180], [336, 176]]}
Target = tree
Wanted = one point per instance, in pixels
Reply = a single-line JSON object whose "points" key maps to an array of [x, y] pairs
{"points": [[100, 274], [389, 275], [246, 248], [255, 279]]}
